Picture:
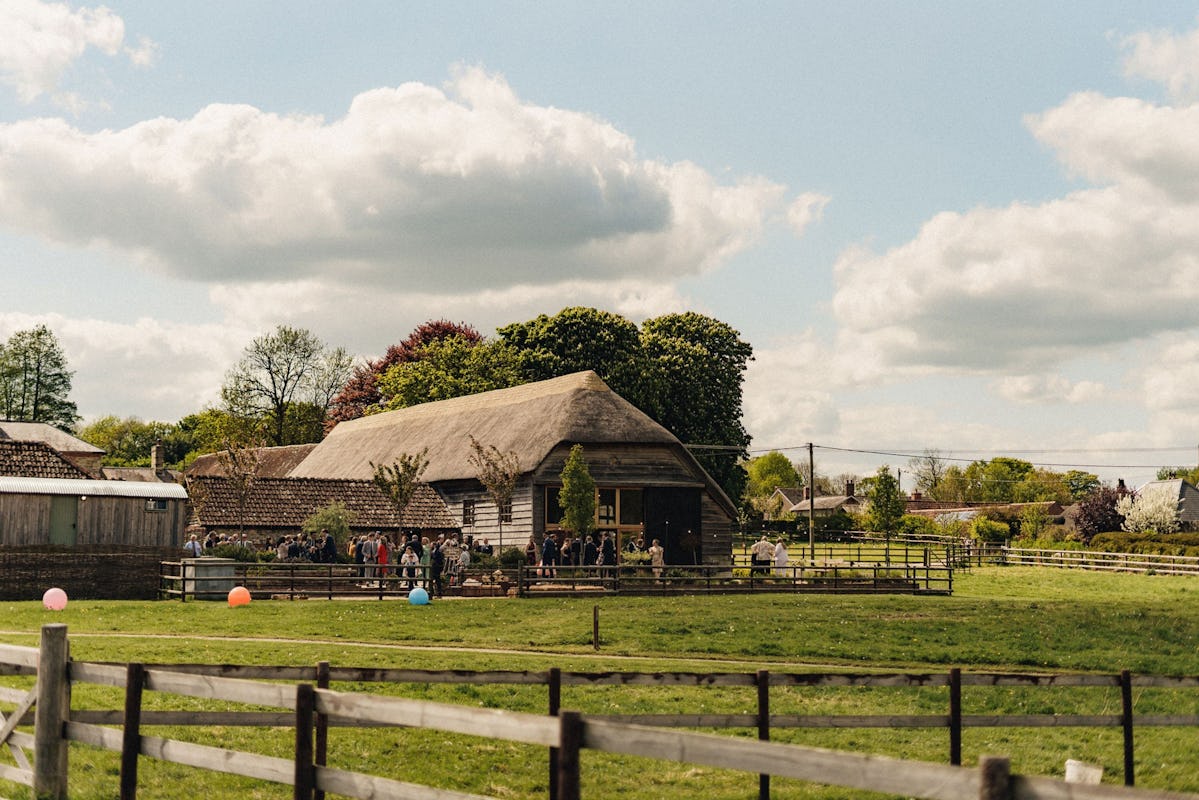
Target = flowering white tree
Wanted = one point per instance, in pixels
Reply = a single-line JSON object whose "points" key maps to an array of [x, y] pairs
{"points": [[1155, 510]]}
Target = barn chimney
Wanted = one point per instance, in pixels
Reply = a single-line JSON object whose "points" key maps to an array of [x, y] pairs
{"points": [[157, 461], [849, 488]]}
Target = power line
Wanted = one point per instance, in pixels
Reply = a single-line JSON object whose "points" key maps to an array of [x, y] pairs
{"points": [[978, 454]]}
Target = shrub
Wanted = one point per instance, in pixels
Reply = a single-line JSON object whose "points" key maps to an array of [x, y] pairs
{"points": [[234, 551], [914, 525], [1155, 510], [511, 557], [989, 531], [336, 518]]}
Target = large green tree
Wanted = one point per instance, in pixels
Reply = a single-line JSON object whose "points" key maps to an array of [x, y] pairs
{"points": [[35, 384], [694, 371], [287, 379], [765, 474], [361, 394], [126, 442], [577, 339], [450, 367]]}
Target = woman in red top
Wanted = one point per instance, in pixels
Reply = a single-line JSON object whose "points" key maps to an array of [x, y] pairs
{"points": [[381, 557]]}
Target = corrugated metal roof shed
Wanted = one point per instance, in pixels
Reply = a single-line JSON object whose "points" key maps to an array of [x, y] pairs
{"points": [[63, 486]]}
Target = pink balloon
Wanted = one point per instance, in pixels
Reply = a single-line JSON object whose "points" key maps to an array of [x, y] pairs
{"points": [[55, 599], [239, 596]]}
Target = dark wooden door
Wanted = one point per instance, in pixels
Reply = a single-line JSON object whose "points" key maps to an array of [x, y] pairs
{"points": [[673, 517]]}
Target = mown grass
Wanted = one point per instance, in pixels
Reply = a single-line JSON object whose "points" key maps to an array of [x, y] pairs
{"points": [[998, 619]]}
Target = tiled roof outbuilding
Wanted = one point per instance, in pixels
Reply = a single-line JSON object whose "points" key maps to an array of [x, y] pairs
{"points": [[35, 460], [287, 502]]}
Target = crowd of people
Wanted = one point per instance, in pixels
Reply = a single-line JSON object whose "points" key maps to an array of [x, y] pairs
{"points": [[433, 563], [560, 550]]}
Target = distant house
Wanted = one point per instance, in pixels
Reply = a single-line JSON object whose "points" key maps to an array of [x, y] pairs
{"points": [[1188, 500], [78, 511], [85, 456], [647, 481], [276, 507], [780, 502], [828, 505]]}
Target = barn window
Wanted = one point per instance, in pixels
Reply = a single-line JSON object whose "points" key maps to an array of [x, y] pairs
{"points": [[156, 505], [506, 511], [468, 511]]}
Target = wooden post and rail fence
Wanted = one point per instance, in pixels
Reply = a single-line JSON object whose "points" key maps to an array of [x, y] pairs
{"points": [[309, 707]]}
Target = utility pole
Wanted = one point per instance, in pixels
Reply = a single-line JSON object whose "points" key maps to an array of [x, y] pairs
{"points": [[812, 500]]}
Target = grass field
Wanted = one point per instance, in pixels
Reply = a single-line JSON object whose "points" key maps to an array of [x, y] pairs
{"points": [[998, 619]]}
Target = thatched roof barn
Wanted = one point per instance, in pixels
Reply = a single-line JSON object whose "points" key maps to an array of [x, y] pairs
{"points": [[647, 480]]}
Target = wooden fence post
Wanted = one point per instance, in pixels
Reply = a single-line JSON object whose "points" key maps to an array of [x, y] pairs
{"points": [[570, 741], [322, 724], [1126, 723], [305, 776], [131, 739], [53, 709], [955, 717], [995, 774], [555, 699], [763, 680]]}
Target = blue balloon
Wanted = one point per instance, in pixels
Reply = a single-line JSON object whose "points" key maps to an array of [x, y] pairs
{"points": [[418, 597]]}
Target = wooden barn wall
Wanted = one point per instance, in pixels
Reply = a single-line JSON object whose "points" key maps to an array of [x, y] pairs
{"points": [[126, 521], [638, 466], [622, 465], [718, 529], [24, 519], [487, 524]]}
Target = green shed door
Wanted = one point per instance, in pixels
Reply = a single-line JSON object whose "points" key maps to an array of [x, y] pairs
{"points": [[64, 512]]}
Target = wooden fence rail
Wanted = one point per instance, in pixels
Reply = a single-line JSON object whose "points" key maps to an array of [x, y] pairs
{"points": [[304, 707]]}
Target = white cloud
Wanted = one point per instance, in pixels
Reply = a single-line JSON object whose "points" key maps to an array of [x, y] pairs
{"points": [[368, 321], [1028, 287], [1170, 380], [40, 41], [172, 369], [804, 210], [1041, 389], [1172, 60], [412, 189], [789, 393]]}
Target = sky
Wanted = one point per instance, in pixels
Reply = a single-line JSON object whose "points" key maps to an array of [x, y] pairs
{"points": [[967, 227]]}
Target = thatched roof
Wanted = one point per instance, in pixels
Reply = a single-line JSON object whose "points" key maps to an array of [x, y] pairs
{"points": [[528, 420], [273, 462], [287, 502], [35, 460]]}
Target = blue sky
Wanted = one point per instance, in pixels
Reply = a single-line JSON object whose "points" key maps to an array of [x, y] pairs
{"points": [[959, 226]]}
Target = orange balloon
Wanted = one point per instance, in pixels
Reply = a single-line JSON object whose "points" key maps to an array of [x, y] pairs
{"points": [[239, 596]]}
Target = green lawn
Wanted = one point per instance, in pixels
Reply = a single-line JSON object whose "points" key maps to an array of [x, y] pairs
{"points": [[1012, 619]]}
